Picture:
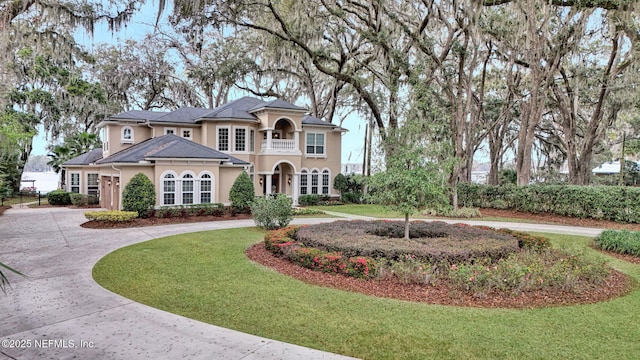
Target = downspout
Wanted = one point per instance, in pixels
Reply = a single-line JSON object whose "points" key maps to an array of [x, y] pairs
{"points": [[113, 183], [153, 130]]}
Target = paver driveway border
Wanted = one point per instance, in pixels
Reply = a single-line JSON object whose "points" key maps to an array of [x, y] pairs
{"points": [[60, 312]]}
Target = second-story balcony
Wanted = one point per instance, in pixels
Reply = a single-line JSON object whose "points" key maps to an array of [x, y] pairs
{"points": [[280, 146]]}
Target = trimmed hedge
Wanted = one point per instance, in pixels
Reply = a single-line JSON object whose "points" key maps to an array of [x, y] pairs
{"points": [[59, 197], [613, 203], [115, 216], [282, 243], [620, 241], [214, 209], [83, 199], [309, 200], [433, 242]]}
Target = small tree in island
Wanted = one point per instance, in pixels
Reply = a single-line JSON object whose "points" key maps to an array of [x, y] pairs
{"points": [[410, 182]]}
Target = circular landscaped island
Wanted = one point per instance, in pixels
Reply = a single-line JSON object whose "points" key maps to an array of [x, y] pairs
{"points": [[439, 263]]}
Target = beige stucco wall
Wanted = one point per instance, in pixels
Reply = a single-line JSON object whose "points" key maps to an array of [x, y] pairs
{"points": [[114, 136], [228, 176]]}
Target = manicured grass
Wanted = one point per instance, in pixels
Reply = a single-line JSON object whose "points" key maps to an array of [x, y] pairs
{"points": [[378, 211], [23, 200], [206, 276]]}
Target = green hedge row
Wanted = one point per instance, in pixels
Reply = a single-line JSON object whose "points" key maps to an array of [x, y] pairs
{"points": [[614, 203], [115, 216]]}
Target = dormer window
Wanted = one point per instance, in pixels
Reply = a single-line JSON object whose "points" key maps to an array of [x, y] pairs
{"points": [[127, 135]]}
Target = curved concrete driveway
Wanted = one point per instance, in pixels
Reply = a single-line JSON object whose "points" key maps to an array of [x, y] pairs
{"points": [[60, 312]]}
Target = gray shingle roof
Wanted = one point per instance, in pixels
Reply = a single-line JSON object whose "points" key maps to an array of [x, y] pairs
{"points": [[86, 158], [241, 109], [237, 109], [187, 115], [168, 146], [277, 104], [140, 115], [312, 120]]}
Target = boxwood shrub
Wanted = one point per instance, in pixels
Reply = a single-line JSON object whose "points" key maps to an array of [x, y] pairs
{"points": [[214, 209], [59, 197], [309, 200], [83, 199], [115, 216]]}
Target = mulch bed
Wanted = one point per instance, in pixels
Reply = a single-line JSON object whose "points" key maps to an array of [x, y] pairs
{"points": [[159, 221], [617, 284]]}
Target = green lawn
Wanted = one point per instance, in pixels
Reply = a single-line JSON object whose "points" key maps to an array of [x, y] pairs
{"points": [[205, 276], [378, 211], [22, 200]]}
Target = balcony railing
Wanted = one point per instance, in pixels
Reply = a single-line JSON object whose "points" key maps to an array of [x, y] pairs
{"points": [[280, 145]]}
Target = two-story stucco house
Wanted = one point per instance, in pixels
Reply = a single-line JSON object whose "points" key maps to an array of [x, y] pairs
{"points": [[194, 155]]}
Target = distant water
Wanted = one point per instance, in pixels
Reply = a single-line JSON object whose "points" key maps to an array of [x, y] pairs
{"points": [[45, 181]]}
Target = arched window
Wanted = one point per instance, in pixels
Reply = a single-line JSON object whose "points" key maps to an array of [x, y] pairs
{"points": [[314, 181], [304, 181], [127, 134], [326, 175], [205, 189], [169, 189], [187, 189]]}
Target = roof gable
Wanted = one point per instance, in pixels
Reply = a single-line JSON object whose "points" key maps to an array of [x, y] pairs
{"points": [[237, 109], [277, 104]]}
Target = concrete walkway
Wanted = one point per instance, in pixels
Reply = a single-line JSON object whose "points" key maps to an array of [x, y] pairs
{"points": [[60, 312]]}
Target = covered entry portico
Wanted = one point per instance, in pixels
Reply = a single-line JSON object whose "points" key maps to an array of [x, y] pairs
{"points": [[283, 179]]}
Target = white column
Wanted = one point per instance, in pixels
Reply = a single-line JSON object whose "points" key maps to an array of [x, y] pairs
{"points": [[268, 179], [269, 135], [295, 188], [296, 139]]}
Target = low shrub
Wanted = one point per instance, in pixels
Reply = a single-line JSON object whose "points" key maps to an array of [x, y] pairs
{"points": [[459, 242], [528, 271], [620, 241], [83, 199], [309, 200], [463, 212], [114, 216], [59, 197], [272, 212], [275, 238], [282, 242], [351, 198], [302, 212], [528, 241], [215, 209], [409, 270]]}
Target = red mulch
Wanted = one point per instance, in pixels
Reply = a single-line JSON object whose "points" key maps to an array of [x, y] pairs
{"points": [[617, 284], [3, 208], [159, 221]]}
